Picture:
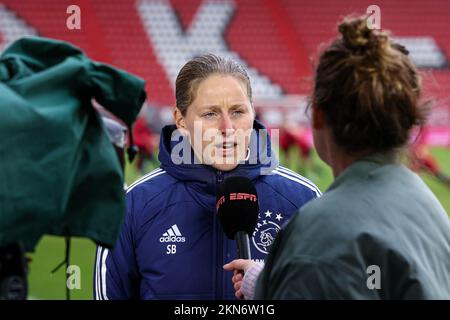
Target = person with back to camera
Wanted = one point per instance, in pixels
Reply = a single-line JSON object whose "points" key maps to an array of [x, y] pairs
{"points": [[171, 244], [378, 232]]}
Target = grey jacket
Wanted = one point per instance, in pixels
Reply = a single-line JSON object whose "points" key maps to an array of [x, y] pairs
{"points": [[377, 233]]}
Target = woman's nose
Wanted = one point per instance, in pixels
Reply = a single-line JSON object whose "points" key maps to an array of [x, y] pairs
{"points": [[226, 124]]}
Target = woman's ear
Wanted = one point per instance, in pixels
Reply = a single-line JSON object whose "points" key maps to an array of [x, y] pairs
{"points": [[318, 118], [179, 119]]}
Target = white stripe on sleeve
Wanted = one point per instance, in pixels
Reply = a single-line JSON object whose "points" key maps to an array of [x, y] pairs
{"points": [[132, 186], [97, 275], [298, 176], [103, 274], [315, 190]]}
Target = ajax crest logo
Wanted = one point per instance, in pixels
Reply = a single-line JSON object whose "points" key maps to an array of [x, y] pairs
{"points": [[266, 230]]}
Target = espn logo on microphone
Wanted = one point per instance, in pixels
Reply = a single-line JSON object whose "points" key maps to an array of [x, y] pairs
{"points": [[242, 196], [236, 196]]}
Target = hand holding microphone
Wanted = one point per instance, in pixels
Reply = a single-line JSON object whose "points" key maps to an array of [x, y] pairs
{"points": [[239, 267]]}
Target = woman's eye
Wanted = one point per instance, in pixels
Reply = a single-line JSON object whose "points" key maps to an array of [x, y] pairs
{"points": [[209, 115]]}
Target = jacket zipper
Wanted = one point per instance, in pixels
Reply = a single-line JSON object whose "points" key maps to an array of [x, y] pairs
{"points": [[219, 248], [219, 177]]}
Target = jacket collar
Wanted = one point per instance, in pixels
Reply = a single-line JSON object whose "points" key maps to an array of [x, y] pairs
{"points": [[364, 167]]}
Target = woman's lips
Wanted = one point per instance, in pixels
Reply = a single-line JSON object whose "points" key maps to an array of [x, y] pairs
{"points": [[227, 149]]}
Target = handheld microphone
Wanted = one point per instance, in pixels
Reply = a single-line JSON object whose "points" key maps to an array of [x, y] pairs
{"points": [[237, 208]]}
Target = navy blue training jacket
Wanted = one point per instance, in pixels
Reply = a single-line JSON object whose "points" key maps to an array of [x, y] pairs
{"points": [[172, 246]]}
